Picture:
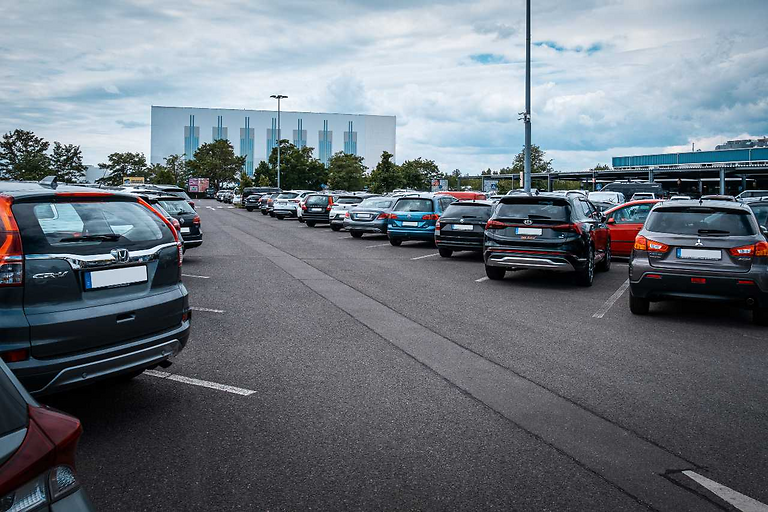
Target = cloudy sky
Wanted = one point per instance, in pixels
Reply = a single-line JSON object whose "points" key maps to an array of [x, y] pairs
{"points": [[610, 77]]}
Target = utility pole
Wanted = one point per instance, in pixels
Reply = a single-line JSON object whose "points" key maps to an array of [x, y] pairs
{"points": [[527, 113], [278, 97]]}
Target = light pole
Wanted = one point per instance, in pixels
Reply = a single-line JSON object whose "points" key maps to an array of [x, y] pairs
{"points": [[527, 116], [278, 97]]}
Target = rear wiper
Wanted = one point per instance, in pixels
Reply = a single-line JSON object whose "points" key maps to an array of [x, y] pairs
{"points": [[89, 238], [714, 232], [535, 216]]}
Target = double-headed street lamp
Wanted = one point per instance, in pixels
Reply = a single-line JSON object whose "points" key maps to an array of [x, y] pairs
{"points": [[278, 97]]}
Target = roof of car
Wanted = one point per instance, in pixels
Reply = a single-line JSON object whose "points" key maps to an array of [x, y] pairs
{"points": [[20, 189], [473, 202], [636, 202], [735, 205]]}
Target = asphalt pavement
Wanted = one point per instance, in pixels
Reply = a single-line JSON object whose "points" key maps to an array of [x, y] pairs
{"points": [[332, 373]]}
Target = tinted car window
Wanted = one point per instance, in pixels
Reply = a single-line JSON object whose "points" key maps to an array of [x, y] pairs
{"points": [[349, 200], [414, 205], [13, 408], [176, 207], [317, 200], [699, 221], [177, 193], [88, 227], [632, 214], [376, 202], [547, 209], [458, 211]]}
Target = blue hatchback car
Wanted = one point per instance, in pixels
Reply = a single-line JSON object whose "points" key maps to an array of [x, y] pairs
{"points": [[414, 217]]}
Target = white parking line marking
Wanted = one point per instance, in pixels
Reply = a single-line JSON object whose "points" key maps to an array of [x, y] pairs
{"points": [[612, 300], [230, 207], [219, 207], [379, 245], [197, 382], [426, 256], [481, 279], [211, 208], [193, 275], [738, 500], [209, 310]]}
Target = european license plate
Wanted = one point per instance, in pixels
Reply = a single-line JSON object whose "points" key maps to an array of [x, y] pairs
{"points": [[699, 254], [184, 231], [115, 277], [528, 231], [410, 224], [462, 227], [364, 216], [315, 209]]}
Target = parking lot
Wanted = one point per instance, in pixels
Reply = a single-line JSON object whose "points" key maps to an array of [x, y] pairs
{"points": [[329, 372]]}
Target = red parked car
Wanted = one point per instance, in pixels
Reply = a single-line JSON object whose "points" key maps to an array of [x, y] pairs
{"points": [[625, 222], [37, 453], [464, 196]]}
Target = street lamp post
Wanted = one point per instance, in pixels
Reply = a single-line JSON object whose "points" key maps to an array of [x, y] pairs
{"points": [[527, 116], [278, 97]]}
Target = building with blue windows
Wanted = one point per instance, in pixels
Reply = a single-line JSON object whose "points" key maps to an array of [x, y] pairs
{"points": [[177, 130]]}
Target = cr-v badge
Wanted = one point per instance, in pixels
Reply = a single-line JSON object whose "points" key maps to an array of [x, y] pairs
{"points": [[50, 275]]}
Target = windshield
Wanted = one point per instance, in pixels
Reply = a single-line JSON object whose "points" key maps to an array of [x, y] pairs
{"points": [[175, 207], [414, 205], [460, 211], [701, 221], [541, 209], [377, 202]]}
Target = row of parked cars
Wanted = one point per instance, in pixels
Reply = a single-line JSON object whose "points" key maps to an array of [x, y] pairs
{"points": [[90, 291], [712, 248]]}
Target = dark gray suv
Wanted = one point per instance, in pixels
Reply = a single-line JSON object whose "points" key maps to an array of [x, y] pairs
{"points": [[700, 250], [90, 286]]}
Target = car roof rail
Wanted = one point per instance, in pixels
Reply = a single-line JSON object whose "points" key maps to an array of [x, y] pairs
{"points": [[49, 182]]}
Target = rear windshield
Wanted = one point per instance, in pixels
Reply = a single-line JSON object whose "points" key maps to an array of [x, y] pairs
{"points": [[541, 209], [176, 207], [314, 200], [88, 227], [13, 408], [377, 202], [349, 200], [459, 211], [701, 221], [177, 193], [288, 195], [414, 205], [603, 196]]}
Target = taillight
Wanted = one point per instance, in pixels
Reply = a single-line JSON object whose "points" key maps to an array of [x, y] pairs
{"points": [[191, 203], [11, 253], [293, 200], [179, 246], [304, 207], [575, 228], [14, 356], [761, 249], [641, 243], [346, 215], [495, 224], [431, 216], [328, 208], [382, 216], [644, 244], [196, 220], [176, 225], [392, 216], [746, 250]]}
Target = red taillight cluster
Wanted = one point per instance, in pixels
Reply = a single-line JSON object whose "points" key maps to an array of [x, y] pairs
{"points": [[495, 224], [575, 228], [392, 216], [759, 249], [382, 216], [14, 356], [196, 220], [11, 253], [645, 244], [346, 215], [431, 216], [179, 245], [304, 207]]}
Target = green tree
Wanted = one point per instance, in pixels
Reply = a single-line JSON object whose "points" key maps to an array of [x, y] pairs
{"points": [[122, 165], [538, 163], [265, 175], [298, 168], [601, 167], [216, 161], [264, 181], [23, 156], [177, 166], [161, 175], [386, 176], [67, 163], [346, 172], [418, 174], [245, 181]]}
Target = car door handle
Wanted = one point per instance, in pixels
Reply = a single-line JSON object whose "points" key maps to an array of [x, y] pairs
{"points": [[127, 317]]}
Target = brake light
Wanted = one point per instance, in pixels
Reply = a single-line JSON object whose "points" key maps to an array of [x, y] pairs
{"points": [[644, 244], [698, 280], [328, 208], [14, 356], [196, 220], [431, 216], [179, 246], [382, 216], [346, 215], [567, 227], [641, 243], [392, 216], [761, 249], [176, 225], [653, 276], [293, 200], [84, 194], [11, 253], [747, 282], [304, 207], [495, 224]]}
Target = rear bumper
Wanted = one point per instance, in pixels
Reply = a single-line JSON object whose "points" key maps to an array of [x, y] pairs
{"points": [[337, 221], [717, 288], [51, 375], [192, 240], [285, 211], [320, 218], [458, 244], [376, 226], [560, 262], [75, 502], [411, 234]]}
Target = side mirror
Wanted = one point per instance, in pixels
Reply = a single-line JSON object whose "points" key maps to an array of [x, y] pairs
{"points": [[764, 231], [611, 221]]}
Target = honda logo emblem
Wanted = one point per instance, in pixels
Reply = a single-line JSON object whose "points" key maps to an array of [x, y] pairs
{"points": [[120, 255], [527, 222]]}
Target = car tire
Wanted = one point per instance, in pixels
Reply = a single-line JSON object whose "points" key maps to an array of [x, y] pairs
{"points": [[272, 214], [586, 276], [605, 265], [395, 242], [311, 223], [356, 234], [638, 305], [249, 209], [495, 273], [263, 212], [280, 217], [335, 228], [445, 253]]}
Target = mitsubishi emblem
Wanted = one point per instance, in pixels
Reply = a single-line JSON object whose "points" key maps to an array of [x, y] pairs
{"points": [[698, 243], [527, 222]]}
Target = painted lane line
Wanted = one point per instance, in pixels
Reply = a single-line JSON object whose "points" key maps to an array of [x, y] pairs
{"points": [[197, 382], [379, 245], [208, 310], [612, 300], [426, 256], [481, 279], [738, 500], [193, 275]]}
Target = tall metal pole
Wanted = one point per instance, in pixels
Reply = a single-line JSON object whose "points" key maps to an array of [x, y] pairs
{"points": [[278, 97], [527, 116]]}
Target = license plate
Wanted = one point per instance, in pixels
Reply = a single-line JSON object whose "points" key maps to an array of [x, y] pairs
{"points": [[315, 209], [115, 277], [410, 224], [462, 227], [699, 254], [528, 231], [364, 216], [282, 203], [184, 230]]}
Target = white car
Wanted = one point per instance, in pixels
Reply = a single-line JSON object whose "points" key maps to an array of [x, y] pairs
{"points": [[679, 198], [287, 203], [340, 208], [607, 197], [237, 198], [638, 196]]}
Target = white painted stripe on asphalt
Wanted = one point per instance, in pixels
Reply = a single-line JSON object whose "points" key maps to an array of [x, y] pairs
{"points": [[481, 279], [193, 275], [211, 208], [426, 256], [219, 207], [208, 310], [379, 245], [612, 300], [197, 382], [738, 500]]}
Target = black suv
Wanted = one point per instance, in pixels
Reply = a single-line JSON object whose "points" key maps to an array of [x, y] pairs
{"points": [[700, 250], [549, 231], [462, 227], [90, 285], [189, 221], [317, 209]]}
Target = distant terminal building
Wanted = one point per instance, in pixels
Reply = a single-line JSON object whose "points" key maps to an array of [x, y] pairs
{"points": [[253, 133], [743, 144]]}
